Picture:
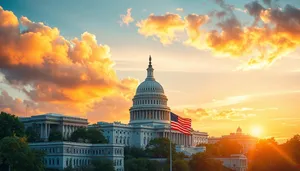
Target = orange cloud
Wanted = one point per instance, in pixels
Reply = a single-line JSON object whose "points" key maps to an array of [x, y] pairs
{"points": [[163, 27], [126, 19], [58, 75], [274, 33], [193, 23]]}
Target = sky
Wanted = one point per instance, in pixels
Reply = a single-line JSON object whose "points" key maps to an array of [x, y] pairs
{"points": [[222, 63]]}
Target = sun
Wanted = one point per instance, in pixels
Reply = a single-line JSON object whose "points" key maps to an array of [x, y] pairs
{"points": [[256, 131]]}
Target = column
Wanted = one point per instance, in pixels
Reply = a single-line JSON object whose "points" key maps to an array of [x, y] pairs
{"points": [[45, 131], [48, 133], [160, 115], [180, 138], [63, 131], [41, 133]]}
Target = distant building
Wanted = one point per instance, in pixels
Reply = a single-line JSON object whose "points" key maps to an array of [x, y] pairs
{"points": [[236, 162], [247, 142], [44, 124], [60, 155]]}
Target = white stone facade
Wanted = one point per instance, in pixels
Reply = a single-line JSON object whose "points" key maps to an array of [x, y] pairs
{"points": [[140, 135], [60, 155], [44, 124]]}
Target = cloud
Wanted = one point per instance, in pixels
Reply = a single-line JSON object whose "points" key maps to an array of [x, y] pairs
{"points": [[126, 19], [179, 9], [56, 73], [163, 27], [274, 33], [193, 23]]}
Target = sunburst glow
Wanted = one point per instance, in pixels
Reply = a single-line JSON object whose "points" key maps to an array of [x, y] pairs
{"points": [[256, 131]]}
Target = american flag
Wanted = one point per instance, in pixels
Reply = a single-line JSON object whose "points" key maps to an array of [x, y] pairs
{"points": [[180, 124]]}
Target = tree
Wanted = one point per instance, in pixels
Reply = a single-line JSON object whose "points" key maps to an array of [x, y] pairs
{"points": [[92, 135], [10, 126], [16, 154], [180, 165], [142, 164], [103, 164], [160, 148], [78, 135], [95, 136], [134, 152], [202, 162], [290, 147], [55, 136], [223, 148], [268, 155], [32, 135]]}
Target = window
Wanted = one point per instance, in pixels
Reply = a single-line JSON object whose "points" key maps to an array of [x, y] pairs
{"points": [[57, 161]]}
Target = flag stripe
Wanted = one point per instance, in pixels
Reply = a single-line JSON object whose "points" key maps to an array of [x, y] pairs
{"points": [[180, 124]]}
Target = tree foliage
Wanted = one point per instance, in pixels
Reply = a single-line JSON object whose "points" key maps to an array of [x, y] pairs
{"points": [[32, 135], [134, 152], [160, 148], [202, 162], [180, 165], [269, 155], [103, 164], [10, 126], [95, 136], [91, 135], [15, 152], [142, 164], [223, 148], [55, 136]]}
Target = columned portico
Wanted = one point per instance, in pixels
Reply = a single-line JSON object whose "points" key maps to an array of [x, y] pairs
{"points": [[49, 122]]}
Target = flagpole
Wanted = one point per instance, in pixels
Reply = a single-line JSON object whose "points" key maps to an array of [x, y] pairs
{"points": [[170, 145]]}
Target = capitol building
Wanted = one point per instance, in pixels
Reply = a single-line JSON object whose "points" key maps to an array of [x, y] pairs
{"points": [[149, 119]]}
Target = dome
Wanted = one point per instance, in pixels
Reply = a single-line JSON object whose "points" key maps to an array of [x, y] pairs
{"points": [[149, 86], [239, 130], [149, 103]]}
